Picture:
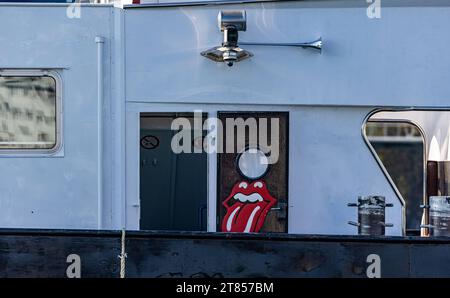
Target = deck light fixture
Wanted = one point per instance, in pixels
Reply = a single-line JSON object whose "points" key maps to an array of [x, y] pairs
{"points": [[230, 23]]}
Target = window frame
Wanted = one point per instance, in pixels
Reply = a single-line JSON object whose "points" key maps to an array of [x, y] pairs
{"points": [[424, 159], [380, 163], [39, 152]]}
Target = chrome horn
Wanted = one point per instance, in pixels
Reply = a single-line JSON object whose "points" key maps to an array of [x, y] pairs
{"points": [[315, 45], [230, 23]]}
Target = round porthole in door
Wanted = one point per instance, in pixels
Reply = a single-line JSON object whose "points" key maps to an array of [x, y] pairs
{"points": [[252, 163]]}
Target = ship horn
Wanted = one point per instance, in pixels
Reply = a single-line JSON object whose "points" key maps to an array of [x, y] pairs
{"points": [[315, 45]]}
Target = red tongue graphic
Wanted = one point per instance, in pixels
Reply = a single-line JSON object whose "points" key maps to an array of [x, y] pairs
{"points": [[244, 217], [247, 213]]}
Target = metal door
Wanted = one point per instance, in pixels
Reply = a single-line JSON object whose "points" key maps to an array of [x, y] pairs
{"points": [[173, 190], [249, 203]]}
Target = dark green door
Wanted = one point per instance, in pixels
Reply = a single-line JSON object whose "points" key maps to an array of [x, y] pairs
{"points": [[173, 187]]}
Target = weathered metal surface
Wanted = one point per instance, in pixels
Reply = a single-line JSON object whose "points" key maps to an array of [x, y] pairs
{"points": [[44, 254], [430, 260], [154, 254], [230, 257]]}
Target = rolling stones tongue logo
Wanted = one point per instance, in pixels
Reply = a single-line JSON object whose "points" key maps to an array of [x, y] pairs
{"points": [[247, 207]]}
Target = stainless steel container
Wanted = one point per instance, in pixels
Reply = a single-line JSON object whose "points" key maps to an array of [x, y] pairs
{"points": [[371, 215], [439, 216]]}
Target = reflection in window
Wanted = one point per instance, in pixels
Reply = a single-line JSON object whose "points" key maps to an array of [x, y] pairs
{"points": [[27, 112], [399, 145]]}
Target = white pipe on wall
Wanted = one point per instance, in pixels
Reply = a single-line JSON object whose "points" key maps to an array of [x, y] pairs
{"points": [[100, 41]]}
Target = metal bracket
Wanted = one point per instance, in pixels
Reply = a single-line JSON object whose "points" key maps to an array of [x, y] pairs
{"points": [[356, 224], [387, 225]]}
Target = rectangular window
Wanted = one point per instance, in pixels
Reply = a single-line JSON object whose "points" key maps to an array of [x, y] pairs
{"points": [[28, 112]]}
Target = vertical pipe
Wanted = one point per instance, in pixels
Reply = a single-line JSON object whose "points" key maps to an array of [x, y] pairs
{"points": [[173, 185], [431, 190], [100, 41], [443, 178], [214, 142], [432, 178]]}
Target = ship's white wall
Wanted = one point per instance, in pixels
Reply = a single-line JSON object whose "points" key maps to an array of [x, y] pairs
{"points": [[56, 191], [397, 60], [329, 166]]}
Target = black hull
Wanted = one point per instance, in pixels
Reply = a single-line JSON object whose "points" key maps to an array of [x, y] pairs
{"points": [[43, 253]]}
